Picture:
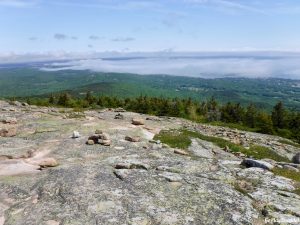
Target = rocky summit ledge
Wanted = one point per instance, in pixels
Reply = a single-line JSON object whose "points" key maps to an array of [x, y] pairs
{"points": [[59, 167]]}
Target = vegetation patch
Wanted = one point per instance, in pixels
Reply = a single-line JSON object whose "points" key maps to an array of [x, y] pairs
{"points": [[182, 139], [297, 191], [288, 174], [287, 142]]}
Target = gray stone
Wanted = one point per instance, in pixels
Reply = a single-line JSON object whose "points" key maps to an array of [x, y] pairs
{"points": [[257, 163], [296, 158], [137, 122], [180, 152], [75, 134], [132, 139]]}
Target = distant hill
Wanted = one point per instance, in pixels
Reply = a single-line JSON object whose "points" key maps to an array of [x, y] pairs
{"points": [[25, 82]]}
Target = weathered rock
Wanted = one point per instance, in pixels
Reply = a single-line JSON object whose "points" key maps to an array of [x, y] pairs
{"points": [[47, 162], [171, 177], [8, 132], [123, 166], [75, 134], [119, 117], [97, 185], [95, 138], [120, 110], [104, 142], [296, 158], [257, 163], [155, 141], [137, 122], [132, 139], [288, 167], [98, 132], [104, 136], [90, 142], [10, 120], [121, 173], [180, 152]]}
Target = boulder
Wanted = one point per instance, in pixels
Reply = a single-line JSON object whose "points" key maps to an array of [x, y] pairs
{"points": [[132, 139], [8, 132], [257, 163], [75, 134], [138, 122], [296, 158]]}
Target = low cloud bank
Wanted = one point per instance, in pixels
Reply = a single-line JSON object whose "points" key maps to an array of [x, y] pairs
{"points": [[204, 66]]}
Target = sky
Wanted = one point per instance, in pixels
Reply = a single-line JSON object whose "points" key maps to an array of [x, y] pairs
{"points": [[59, 26]]}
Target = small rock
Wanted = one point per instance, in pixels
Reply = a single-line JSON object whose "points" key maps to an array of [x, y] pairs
{"points": [[104, 142], [123, 166], [75, 134], [288, 167], [121, 173], [104, 136], [98, 132], [180, 152], [171, 177], [226, 149], [52, 222], [120, 110], [132, 139], [137, 122], [16, 103], [155, 141], [48, 162], [257, 163], [10, 121], [95, 138], [142, 166], [296, 158], [8, 132], [90, 142], [119, 117]]}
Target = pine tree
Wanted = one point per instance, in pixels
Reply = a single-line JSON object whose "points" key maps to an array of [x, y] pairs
{"points": [[250, 116], [278, 115]]}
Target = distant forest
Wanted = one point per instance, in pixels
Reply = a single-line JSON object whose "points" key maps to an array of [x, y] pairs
{"points": [[279, 121]]}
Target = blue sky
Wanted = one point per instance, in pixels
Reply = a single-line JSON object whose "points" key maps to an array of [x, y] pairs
{"points": [[148, 25]]}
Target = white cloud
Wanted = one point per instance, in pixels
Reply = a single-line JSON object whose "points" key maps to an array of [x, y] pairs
{"points": [[207, 66], [18, 3]]}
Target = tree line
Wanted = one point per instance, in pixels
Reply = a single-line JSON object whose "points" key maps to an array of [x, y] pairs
{"points": [[280, 121]]}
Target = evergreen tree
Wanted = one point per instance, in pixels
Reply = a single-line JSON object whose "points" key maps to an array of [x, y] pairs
{"points": [[250, 116], [278, 115], [64, 99]]}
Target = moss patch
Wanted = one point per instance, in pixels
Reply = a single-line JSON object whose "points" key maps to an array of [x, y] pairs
{"points": [[287, 173], [182, 139]]}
